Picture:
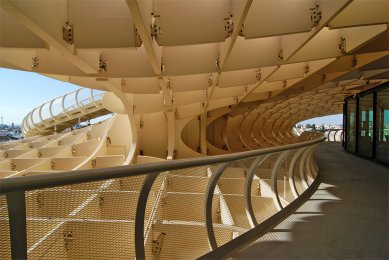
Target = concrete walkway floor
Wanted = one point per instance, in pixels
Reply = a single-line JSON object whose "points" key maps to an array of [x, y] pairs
{"points": [[346, 218]]}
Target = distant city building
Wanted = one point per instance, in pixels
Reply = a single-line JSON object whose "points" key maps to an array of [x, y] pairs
{"points": [[8, 133]]}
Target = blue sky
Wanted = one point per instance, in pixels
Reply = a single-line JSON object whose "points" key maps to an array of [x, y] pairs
{"points": [[333, 119], [22, 91]]}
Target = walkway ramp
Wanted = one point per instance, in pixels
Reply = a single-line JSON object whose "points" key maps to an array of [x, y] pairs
{"points": [[346, 218], [63, 112]]}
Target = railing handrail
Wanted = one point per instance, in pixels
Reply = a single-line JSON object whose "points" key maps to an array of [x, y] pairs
{"points": [[330, 129], [26, 183]]}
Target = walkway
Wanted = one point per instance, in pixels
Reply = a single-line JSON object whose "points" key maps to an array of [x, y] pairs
{"points": [[346, 218]]}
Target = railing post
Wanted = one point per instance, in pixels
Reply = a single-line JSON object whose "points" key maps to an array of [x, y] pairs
{"points": [[311, 162], [16, 203], [78, 102], [303, 176], [292, 182], [307, 163], [51, 110], [140, 215], [274, 178], [335, 135], [208, 204], [314, 166], [247, 191], [93, 98]]}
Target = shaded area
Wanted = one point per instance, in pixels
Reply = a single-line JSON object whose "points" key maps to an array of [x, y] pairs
{"points": [[346, 218]]}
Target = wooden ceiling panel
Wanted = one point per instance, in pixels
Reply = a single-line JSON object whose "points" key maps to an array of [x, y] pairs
{"points": [[93, 26], [191, 22], [362, 12], [280, 14]]}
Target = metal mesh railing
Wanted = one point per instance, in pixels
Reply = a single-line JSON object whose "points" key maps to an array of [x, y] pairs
{"points": [[178, 230], [92, 220], [333, 135], [169, 210], [5, 245]]}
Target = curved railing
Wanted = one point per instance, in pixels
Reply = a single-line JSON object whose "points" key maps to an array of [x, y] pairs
{"points": [[336, 134], [74, 105], [152, 210], [333, 135]]}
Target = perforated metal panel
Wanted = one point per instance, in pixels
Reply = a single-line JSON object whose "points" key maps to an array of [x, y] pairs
{"points": [[178, 230], [94, 220], [187, 212], [5, 249]]}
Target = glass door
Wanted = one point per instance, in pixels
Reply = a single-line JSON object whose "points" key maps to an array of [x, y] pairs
{"points": [[382, 117], [365, 133], [351, 125]]}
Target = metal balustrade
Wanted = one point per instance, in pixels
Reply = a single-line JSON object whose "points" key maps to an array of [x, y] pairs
{"points": [[333, 135], [56, 113], [188, 208]]}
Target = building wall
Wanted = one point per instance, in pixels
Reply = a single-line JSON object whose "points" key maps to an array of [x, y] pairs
{"points": [[367, 124]]}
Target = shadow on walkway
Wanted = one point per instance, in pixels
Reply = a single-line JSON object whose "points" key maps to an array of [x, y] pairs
{"points": [[346, 218]]}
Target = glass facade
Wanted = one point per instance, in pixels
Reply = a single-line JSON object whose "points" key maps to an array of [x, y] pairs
{"points": [[382, 118], [351, 126], [365, 130], [367, 124]]}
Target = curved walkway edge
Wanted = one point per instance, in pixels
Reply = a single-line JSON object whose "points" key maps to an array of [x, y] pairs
{"points": [[346, 218]]}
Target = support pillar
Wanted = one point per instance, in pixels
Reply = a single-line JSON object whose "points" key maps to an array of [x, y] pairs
{"points": [[203, 133], [171, 134]]}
